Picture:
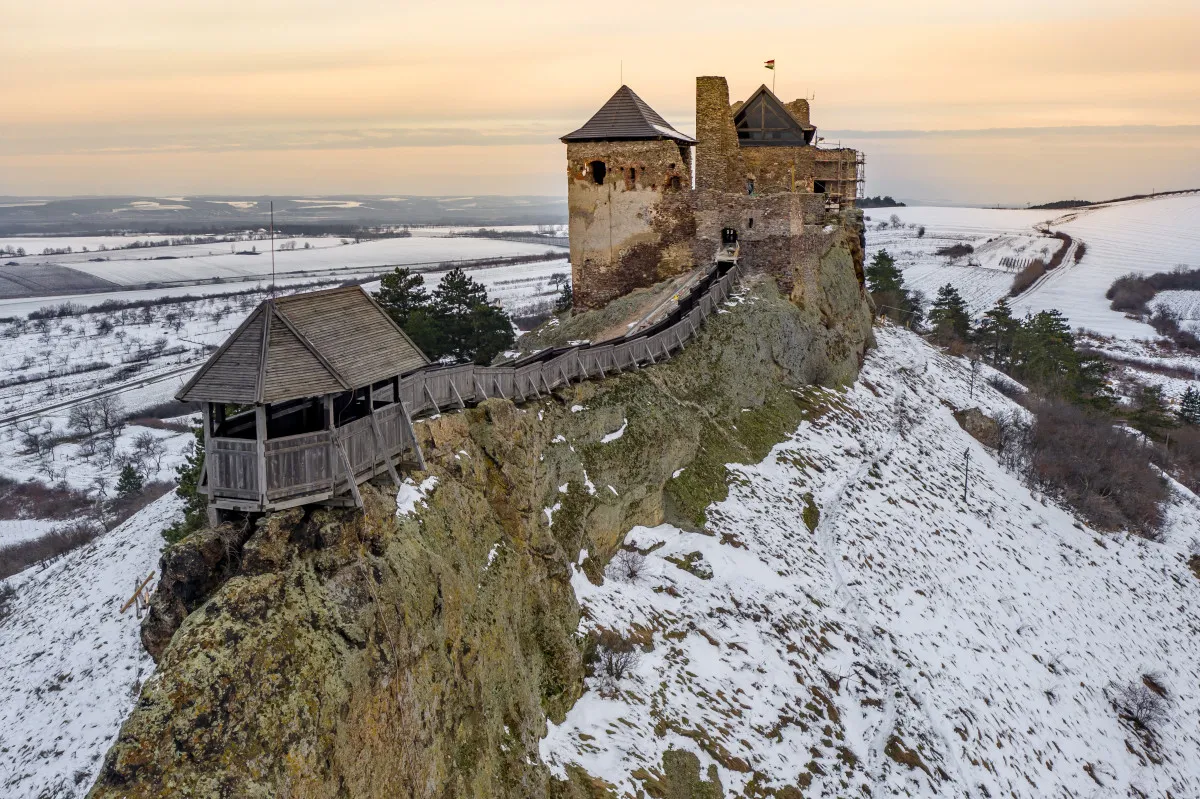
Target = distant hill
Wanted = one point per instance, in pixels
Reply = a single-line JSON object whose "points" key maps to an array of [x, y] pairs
{"points": [[1065, 204], [221, 213]]}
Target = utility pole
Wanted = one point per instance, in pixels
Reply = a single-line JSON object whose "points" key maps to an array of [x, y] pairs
{"points": [[974, 371], [966, 472]]}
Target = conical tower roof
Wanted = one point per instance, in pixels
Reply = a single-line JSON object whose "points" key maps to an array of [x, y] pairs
{"points": [[626, 117]]}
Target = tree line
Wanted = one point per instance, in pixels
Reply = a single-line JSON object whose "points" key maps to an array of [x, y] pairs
{"points": [[1083, 446]]}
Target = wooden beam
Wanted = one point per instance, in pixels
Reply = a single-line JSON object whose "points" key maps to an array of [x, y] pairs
{"points": [[260, 431], [345, 460], [432, 401], [412, 434], [133, 598], [381, 447]]}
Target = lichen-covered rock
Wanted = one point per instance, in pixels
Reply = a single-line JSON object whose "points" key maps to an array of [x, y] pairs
{"points": [[189, 572], [367, 654], [979, 426]]}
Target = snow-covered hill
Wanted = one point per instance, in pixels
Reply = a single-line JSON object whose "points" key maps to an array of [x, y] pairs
{"points": [[71, 664], [853, 625], [1145, 236]]}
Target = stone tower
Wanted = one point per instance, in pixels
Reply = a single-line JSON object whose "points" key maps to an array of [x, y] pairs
{"points": [[628, 185]]}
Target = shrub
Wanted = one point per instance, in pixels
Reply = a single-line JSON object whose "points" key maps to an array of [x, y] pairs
{"points": [[8, 596], [629, 564], [1027, 277], [955, 250], [618, 656], [1078, 457], [1140, 704], [18, 557]]}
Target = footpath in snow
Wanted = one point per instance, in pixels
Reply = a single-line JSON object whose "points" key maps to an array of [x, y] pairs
{"points": [[898, 640]]}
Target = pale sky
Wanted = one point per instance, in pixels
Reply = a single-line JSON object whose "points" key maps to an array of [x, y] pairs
{"points": [[952, 101]]}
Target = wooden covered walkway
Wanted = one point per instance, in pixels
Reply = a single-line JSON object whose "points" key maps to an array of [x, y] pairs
{"points": [[324, 387]]}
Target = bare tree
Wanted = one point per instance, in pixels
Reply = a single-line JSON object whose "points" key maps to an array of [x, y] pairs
{"points": [[110, 411], [618, 655], [1142, 703], [148, 450], [84, 420], [629, 564]]}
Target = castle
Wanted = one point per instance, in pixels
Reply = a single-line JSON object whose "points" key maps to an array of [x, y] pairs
{"points": [[639, 215]]}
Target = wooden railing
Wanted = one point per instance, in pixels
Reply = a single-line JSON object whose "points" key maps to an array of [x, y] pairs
{"points": [[321, 464], [437, 388]]}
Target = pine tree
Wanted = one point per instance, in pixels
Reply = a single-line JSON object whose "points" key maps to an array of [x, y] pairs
{"points": [[195, 504], [885, 281], [883, 275], [949, 316], [401, 293], [996, 332], [1044, 355], [470, 328], [1151, 414], [1189, 406], [130, 482], [566, 295]]}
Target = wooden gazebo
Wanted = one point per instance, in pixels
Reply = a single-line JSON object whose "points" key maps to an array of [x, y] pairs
{"points": [[303, 403]]}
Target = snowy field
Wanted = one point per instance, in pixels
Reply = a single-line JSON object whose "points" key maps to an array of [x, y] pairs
{"points": [[911, 642], [1145, 236], [348, 259], [1184, 303], [72, 663], [144, 356]]}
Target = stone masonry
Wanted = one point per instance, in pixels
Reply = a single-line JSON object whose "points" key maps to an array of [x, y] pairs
{"points": [[635, 218]]}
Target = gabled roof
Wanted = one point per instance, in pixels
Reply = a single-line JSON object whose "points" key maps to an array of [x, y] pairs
{"points": [[305, 345], [626, 117], [764, 121]]}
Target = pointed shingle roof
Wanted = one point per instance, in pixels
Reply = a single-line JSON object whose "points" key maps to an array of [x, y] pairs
{"points": [[305, 345], [626, 117]]}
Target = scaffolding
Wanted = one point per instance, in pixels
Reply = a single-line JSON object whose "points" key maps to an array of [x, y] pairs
{"points": [[845, 187]]}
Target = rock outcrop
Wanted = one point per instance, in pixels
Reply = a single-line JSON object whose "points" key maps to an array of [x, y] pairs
{"points": [[377, 654]]}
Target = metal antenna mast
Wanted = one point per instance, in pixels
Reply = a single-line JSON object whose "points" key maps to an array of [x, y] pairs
{"points": [[272, 248]]}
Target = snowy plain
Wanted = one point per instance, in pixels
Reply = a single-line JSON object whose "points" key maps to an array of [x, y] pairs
{"points": [[1144, 236]]}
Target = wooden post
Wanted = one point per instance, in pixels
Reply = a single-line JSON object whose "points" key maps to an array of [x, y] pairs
{"points": [[381, 446], [260, 434], [206, 410]]}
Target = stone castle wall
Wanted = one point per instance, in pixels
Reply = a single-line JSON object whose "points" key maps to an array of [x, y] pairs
{"points": [[638, 227], [635, 227]]}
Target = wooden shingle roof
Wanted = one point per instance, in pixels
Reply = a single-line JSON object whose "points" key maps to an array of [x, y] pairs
{"points": [[626, 117], [305, 345]]}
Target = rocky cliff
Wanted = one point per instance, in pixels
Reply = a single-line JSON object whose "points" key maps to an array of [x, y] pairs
{"points": [[419, 650]]}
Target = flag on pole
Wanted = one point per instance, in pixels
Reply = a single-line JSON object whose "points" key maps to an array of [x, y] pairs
{"points": [[770, 64]]}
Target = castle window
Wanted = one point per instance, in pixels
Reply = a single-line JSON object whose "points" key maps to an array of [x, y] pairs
{"points": [[820, 187], [599, 170], [749, 186], [750, 224], [632, 174], [674, 184]]}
